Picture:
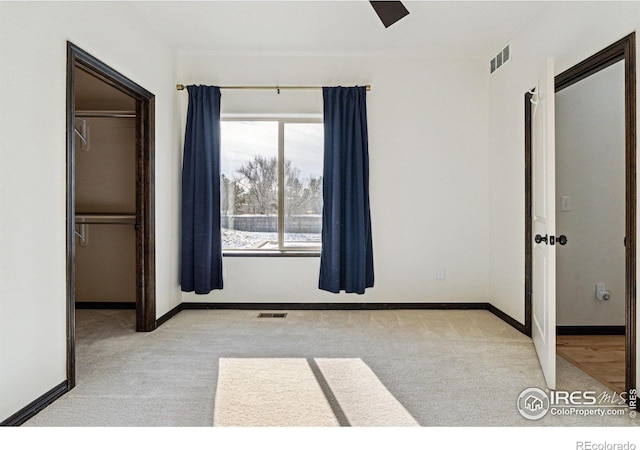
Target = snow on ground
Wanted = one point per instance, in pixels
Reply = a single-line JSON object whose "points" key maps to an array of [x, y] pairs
{"points": [[234, 239]]}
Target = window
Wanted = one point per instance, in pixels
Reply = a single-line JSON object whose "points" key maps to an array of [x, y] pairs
{"points": [[271, 184]]}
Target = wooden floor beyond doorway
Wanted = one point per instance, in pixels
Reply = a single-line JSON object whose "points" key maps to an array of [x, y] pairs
{"points": [[602, 357]]}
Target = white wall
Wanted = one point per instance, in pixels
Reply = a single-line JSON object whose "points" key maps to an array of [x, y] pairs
{"points": [[33, 39], [590, 173], [428, 162]]}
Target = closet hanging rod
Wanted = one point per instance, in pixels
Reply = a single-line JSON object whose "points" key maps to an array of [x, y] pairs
{"points": [[182, 87], [107, 114], [106, 219]]}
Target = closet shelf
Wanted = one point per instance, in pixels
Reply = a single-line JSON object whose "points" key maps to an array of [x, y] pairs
{"points": [[112, 114], [107, 218]]}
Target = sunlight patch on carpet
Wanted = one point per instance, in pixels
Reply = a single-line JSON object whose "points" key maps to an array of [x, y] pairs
{"points": [[285, 392], [269, 392], [365, 401]]}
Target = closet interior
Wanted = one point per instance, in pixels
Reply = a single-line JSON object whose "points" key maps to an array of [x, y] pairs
{"points": [[105, 194]]}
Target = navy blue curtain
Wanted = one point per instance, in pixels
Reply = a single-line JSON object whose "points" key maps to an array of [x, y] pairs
{"points": [[346, 262], [201, 269]]}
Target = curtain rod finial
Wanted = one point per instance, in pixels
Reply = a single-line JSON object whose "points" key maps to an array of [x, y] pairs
{"points": [[180, 87]]}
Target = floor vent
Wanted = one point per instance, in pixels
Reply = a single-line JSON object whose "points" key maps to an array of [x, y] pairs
{"points": [[272, 315]]}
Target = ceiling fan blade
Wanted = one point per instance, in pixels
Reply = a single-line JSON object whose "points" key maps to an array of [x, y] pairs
{"points": [[389, 12]]}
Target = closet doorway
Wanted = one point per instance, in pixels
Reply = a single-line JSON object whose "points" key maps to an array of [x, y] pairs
{"points": [[110, 194]]}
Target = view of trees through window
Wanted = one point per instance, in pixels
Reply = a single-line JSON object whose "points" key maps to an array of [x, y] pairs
{"points": [[258, 210]]}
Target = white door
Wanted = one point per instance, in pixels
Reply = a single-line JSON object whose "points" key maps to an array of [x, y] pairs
{"points": [[544, 224]]}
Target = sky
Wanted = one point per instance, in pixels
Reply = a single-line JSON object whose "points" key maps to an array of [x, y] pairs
{"points": [[242, 140]]}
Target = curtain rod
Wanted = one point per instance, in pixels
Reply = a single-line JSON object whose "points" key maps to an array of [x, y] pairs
{"points": [[182, 87]]}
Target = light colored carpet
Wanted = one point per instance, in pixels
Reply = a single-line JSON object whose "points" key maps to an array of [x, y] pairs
{"points": [[446, 368]]}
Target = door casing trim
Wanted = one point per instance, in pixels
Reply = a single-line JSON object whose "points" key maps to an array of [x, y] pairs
{"points": [[145, 193]]}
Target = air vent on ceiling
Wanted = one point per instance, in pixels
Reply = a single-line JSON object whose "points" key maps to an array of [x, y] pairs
{"points": [[272, 315], [503, 57]]}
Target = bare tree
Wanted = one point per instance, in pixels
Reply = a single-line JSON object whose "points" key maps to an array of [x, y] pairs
{"points": [[255, 190], [260, 182], [232, 197], [293, 189], [313, 196]]}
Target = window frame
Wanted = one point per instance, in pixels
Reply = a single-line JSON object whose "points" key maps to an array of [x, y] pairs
{"points": [[282, 250]]}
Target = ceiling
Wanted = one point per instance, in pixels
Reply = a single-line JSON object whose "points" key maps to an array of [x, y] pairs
{"points": [[432, 29]]}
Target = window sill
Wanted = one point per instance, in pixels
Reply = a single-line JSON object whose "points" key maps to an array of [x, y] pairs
{"points": [[271, 253]]}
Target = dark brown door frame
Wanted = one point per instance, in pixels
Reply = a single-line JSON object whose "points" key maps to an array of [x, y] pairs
{"points": [[145, 194], [623, 50]]}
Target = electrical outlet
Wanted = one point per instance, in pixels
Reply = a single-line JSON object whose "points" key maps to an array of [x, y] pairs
{"points": [[440, 273], [601, 292]]}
